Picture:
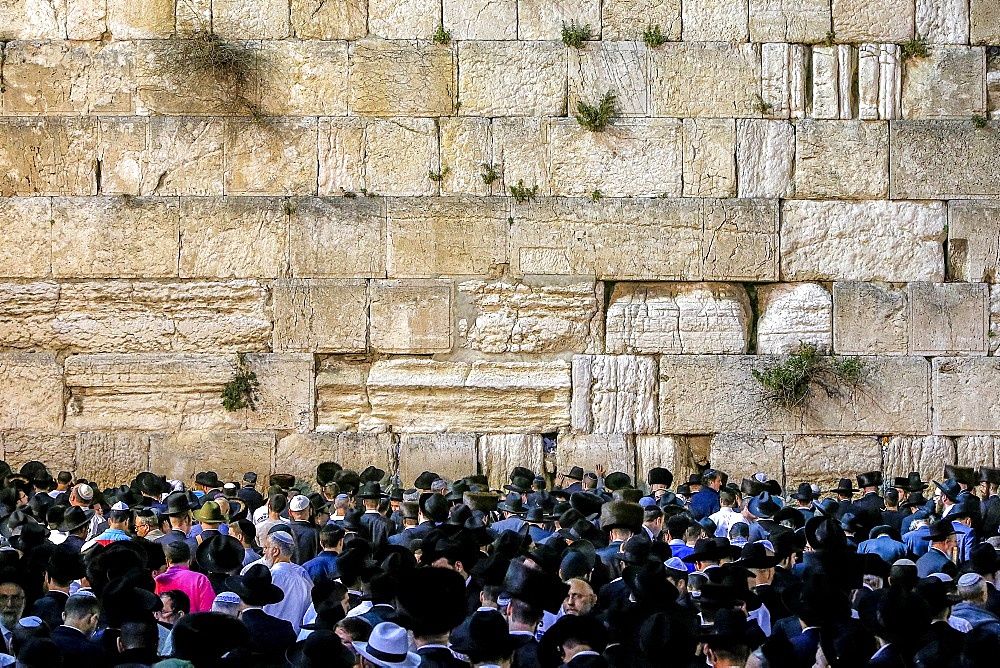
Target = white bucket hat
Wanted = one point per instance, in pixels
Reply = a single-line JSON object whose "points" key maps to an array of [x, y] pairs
{"points": [[388, 646]]}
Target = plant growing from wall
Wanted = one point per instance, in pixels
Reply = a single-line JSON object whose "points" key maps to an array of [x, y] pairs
{"points": [[653, 36], [830, 39], [596, 118], [438, 177], [441, 36], [574, 34], [790, 383], [979, 121], [761, 106], [241, 390], [596, 196], [491, 173], [522, 193], [915, 48]]}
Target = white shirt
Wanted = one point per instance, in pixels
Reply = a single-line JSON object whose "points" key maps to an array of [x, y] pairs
{"points": [[724, 520], [297, 585]]}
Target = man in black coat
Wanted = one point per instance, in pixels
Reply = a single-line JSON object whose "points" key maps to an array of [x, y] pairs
{"points": [[938, 556], [248, 493], [270, 636], [376, 527], [306, 533], [63, 567], [73, 636]]}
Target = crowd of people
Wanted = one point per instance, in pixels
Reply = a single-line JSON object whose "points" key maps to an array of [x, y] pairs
{"points": [[585, 569]]}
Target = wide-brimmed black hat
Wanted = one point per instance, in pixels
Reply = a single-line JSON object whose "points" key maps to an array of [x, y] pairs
{"points": [[207, 479], [325, 472], [321, 649], [989, 474], [534, 587], [585, 630], [940, 530], [705, 549], [434, 506], [587, 503], [648, 582], [178, 503], [255, 586], [457, 491], [805, 493], [536, 515], [519, 485], [575, 473], [371, 474], [789, 517], [729, 629], [963, 474], [915, 499], [983, 560], [617, 480], [483, 635], [660, 476], [825, 533], [150, 484], [621, 514], [442, 586], [950, 488], [763, 505], [844, 487], [425, 480], [754, 555], [512, 504], [74, 518], [220, 554], [370, 490], [870, 479], [636, 551]]}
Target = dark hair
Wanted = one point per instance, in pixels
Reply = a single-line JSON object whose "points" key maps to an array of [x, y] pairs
{"points": [[22, 635], [739, 530], [357, 628], [179, 601], [892, 497], [177, 552], [119, 516], [524, 613], [80, 606], [248, 530], [136, 634], [710, 476], [277, 502], [330, 535], [64, 477], [652, 514], [40, 652], [727, 497], [677, 526]]}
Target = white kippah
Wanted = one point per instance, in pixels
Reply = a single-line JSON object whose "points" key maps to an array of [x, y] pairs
{"points": [[298, 503], [943, 577], [904, 562], [284, 537], [768, 545], [85, 492], [86, 593]]}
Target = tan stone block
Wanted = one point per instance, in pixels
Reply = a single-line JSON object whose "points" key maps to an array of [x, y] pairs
{"points": [[793, 314], [341, 395], [337, 237], [411, 316], [861, 21], [964, 391], [678, 318], [193, 16], [277, 159], [33, 19], [709, 157], [984, 21], [114, 458], [842, 159], [446, 236], [675, 453], [481, 19], [466, 147], [870, 319], [181, 456], [520, 152], [26, 245], [530, 316], [614, 394], [742, 455], [615, 451], [943, 21], [543, 19], [319, 19], [305, 78], [714, 21], [739, 239], [492, 79], [950, 83], [628, 19], [321, 315], [925, 454], [401, 79], [949, 318], [943, 160], [57, 452], [86, 19], [973, 240], [146, 20], [261, 19], [31, 391], [300, 454], [287, 394], [836, 241], [48, 156], [787, 21], [994, 332], [976, 450], [114, 237], [415, 395], [410, 19], [826, 459], [500, 453], [238, 237], [619, 67], [765, 152], [161, 155], [451, 456], [704, 80]]}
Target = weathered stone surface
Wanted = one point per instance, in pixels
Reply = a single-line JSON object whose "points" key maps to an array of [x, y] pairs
{"points": [[48, 156], [714, 21], [792, 314], [614, 394], [171, 81], [451, 456], [621, 239], [628, 19], [413, 19], [300, 454], [33, 19], [493, 82], [943, 21], [85, 19], [411, 316], [943, 160], [691, 318], [279, 159], [267, 19], [318, 19], [965, 390], [26, 245], [238, 237], [56, 451], [130, 316], [147, 20], [321, 315], [543, 19], [500, 453], [619, 67], [114, 237], [926, 454], [870, 319], [984, 21], [879, 81], [481, 19], [694, 80], [861, 21], [466, 146], [871, 241], [676, 453], [341, 394], [307, 78], [973, 240], [416, 395], [709, 157], [788, 21], [977, 450], [193, 16], [950, 83], [842, 159], [401, 79], [994, 331], [287, 393], [949, 318], [181, 456], [31, 392], [765, 152], [520, 152], [446, 236], [616, 452], [826, 459], [336, 237], [114, 458], [743, 455], [530, 316]]}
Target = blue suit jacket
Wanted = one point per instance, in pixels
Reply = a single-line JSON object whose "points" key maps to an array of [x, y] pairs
{"points": [[936, 561]]}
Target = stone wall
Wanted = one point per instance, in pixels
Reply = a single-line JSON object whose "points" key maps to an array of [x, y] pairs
{"points": [[776, 173]]}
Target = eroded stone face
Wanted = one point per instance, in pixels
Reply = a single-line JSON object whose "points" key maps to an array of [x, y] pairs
{"points": [[26, 245], [114, 458], [870, 319], [615, 451], [481, 19], [926, 454], [628, 20], [321, 315], [318, 19], [48, 156], [789, 21], [842, 159], [341, 394], [694, 80], [412, 19], [337, 237], [793, 314], [824, 459], [709, 157], [714, 21], [614, 394], [943, 160], [411, 316], [943, 21], [451, 456], [421, 82], [949, 83], [278, 158], [859, 21], [56, 451], [181, 456], [494, 78], [31, 390], [543, 19], [500, 453], [619, 67], [948, 318], [984, 22], [765, 152], [749, 454], [233, 237], [963, 390]]}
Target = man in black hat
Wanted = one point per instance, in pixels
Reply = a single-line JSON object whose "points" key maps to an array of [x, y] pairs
{"points": [[248, 493], [845, 493], [75, 524], [64, 566], [445, 590], [989, 483], [579, 640], [209, 484], [659, 480], [269, 635], [484, 638], [377, 527], [179, 512], [870, 500], [938, 556]]}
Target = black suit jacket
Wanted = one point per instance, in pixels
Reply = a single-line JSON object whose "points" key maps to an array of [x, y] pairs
{"points": [[306, 536], [377, 528], [270, 637], [439, 657], [84, 652], [526, 654], [50, 608], [588, 661]]}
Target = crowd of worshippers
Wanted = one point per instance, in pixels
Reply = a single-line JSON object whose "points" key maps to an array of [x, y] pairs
{"points": [[580, 569]]}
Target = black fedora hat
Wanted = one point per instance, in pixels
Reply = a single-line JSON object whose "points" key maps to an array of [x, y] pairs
{"points": [[536, 515], [825, 533], [255, 586], [575, 473], [705, 549], [587, 503], [519, 485], [763, 505], [370, 490], [844, 487], [178, 503], [870, 479], [755, 555], [660, 476], [321, 649], [989, 474], [963, 474], [983, 560], [940, 530], [74, 518], [617, 480], [512, 504], [648, 582], [443, 586], [207, 479], [827, 507], [949, 488], [915, 499], [729, 629], [805, 493], [636, 551], [534, 587], [483, 636], [425, 480], [220, 554], [371, 474], [621, 514], [434, 506], [325, 471]]}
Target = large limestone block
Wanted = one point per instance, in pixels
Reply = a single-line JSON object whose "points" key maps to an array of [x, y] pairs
{"points": [[984, 21], [704, 80], [337, 237], [880, 77], [466, 146], [33, 19], [238, 237], [926, 454], [279, 158], [965, 390], [628, 19], [481, 19], [943, 21], [976, 451], [48, 156], [765, 152], [621, 239], [411, 316], [949, 318], [619, 67], [85, 19], [994, 332], [530, 316], [114, 458], [135, 316], [306, 78], [742, 455], [521, 151], [300, 454], [863, 21], [675, 453], [973, 240], [80, 78], [792, 314], [181, 456], [115, 237], [401, 79], [147, 20], [263, 20], [31, 391], [492, 78], [415, 395], [614, 394], [543, 19], [451, 456], [693, 318], [319, 19], [787, 21], [632, 158], [616, 452], [870, 319], [865, 241], [709, 157], [826, 459], [714, 21], [26, 244], [56, 451], [446, 236], [784, 80], [500, 453], [842, 159], [412, 19], [341, 394], [321, 315], [943, 160], [950, 83]]}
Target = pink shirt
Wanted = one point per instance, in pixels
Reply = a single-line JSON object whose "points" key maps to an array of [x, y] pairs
{"points": [[195, 585]]}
